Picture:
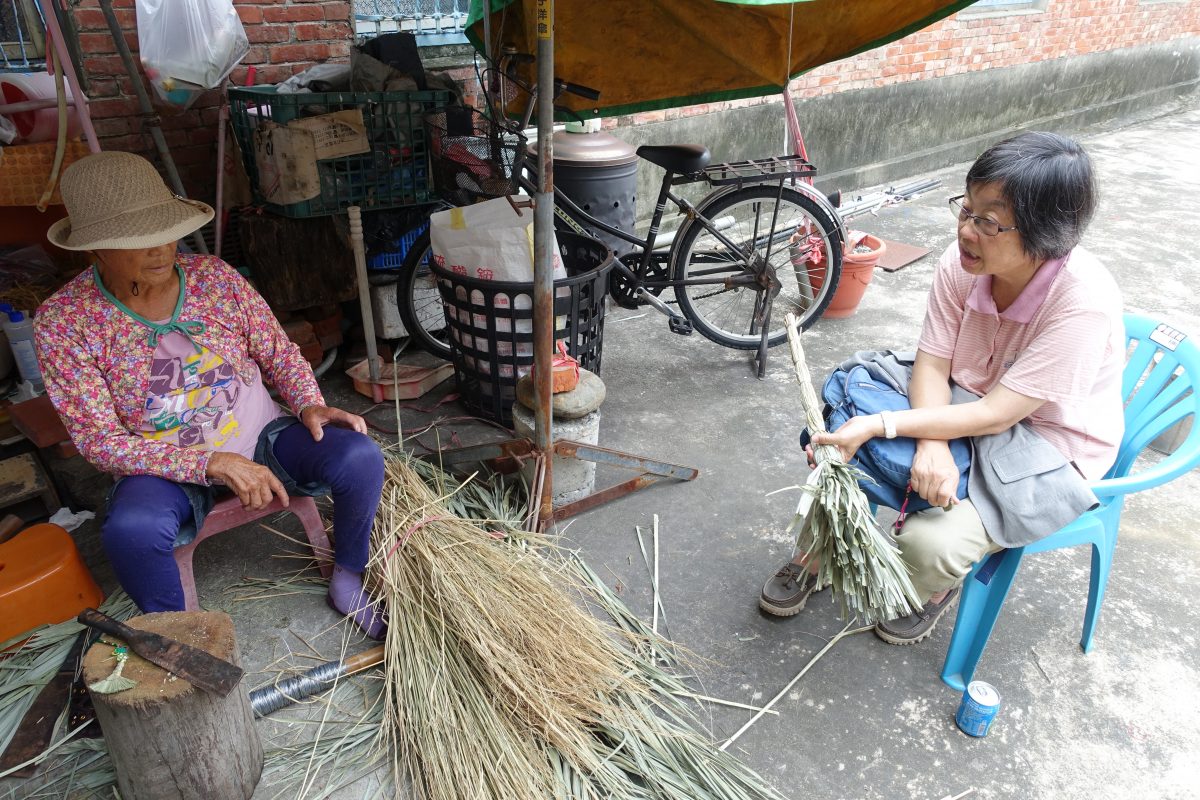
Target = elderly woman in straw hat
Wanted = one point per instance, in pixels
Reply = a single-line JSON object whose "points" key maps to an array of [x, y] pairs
{"points": [[156, 362]]}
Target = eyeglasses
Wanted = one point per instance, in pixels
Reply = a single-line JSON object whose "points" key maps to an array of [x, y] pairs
{"points": [[988, 227]]}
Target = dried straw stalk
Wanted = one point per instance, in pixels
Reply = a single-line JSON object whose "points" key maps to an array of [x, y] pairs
{"points": [[853, 553], [485, 647], [501, 685]]}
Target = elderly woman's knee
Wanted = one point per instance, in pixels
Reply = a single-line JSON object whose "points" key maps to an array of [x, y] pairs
{"points": [[135, 530], [358, 459], [144, 515]]}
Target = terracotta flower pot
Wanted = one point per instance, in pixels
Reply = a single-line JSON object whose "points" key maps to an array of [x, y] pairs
{"points": [[857, 270]]}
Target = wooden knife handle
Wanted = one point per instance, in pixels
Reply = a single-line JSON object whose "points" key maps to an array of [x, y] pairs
{"points": [[101, 622]]}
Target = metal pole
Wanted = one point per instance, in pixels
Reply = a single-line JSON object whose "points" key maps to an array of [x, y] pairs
{"points": [[50, 15], [149, 118], [543, 235]]}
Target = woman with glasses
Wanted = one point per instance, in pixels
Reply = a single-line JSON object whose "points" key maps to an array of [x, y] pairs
{"points": [[1029, 323]]}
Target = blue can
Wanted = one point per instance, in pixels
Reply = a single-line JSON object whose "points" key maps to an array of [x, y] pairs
{"points": [[978, 708]]}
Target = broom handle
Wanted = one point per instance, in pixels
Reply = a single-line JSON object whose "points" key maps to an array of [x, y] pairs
{"points": [[364, 295], [808, 395], [272, 698]]}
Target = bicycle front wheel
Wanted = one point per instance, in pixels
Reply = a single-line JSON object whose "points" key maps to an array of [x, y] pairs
{"points": [[419, 302], [785, 233]]}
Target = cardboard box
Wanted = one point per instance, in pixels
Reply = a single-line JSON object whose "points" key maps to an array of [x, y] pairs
{"points": [[342, 133], [287, 155]]}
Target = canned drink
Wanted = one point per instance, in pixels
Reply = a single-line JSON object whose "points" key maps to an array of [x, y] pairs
{"points": [[978, 708]]}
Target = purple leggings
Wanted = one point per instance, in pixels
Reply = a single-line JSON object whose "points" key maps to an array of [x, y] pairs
{"points": [[146, 512]]}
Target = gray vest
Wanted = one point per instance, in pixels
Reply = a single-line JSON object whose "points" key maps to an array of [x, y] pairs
{"points": [[1022, 486]]}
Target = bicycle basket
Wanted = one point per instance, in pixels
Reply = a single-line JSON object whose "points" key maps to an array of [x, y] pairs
{"points": [[473, 158]]}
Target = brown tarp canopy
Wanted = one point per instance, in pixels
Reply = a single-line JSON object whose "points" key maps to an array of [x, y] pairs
{"points": [[650, 54]]}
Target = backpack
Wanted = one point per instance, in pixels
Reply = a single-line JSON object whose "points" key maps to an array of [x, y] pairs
{"points": [[888, 462]]}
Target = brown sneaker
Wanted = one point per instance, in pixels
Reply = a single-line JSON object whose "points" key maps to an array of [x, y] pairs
{"points": [[785, 594], [916, 627]]}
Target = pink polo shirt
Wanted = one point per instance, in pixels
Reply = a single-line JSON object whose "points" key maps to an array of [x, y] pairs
{"points": [[1062, 340]]}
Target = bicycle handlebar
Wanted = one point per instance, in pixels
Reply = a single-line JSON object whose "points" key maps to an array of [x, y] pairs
{"points": [[585, 92], [510, 60]]}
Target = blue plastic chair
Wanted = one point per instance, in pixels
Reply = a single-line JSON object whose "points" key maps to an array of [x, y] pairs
{"points": [[1159, 390]]}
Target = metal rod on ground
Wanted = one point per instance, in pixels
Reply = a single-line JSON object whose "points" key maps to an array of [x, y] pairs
{"points": [[870, 203], [149, 118], [50, 15], [364, 291], [543, 264]]}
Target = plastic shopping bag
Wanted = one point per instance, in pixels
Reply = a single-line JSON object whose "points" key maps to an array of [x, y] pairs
{"points": [[187, 46]]}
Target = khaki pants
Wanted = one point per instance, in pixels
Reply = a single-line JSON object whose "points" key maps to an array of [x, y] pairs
{"points": [[942, 546]]}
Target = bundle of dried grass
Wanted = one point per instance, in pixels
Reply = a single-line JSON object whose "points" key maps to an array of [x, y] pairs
{"points": [[500, 684], [484, 648], [838, 529]]}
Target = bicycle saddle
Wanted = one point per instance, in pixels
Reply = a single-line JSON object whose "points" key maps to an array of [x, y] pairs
{"points": [[683, 159]]}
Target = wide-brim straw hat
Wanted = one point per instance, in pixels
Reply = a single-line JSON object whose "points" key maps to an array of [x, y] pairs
{"points": [[118, 201]]}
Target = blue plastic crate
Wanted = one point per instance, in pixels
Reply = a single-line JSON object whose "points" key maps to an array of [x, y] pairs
{"points": [[394, 259]]}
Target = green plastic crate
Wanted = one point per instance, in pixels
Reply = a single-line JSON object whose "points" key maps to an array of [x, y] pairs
{"points": [[394, 173]]}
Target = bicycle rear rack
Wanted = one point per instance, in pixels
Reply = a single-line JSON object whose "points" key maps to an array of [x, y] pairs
{"points": [[759, 170]]}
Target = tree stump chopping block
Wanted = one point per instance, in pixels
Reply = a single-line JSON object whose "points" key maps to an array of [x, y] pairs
{"points": [[169, 740]]}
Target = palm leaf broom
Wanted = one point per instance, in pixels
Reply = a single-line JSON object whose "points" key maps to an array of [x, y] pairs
{"points": [[839, 532]]}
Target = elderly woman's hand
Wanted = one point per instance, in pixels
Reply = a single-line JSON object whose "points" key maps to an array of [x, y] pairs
{"points": [[317, 417], [853, 434], [253, 483], [934, 474]]}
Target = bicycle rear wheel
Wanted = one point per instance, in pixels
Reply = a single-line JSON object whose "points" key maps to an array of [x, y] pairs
{"points": [[419, 302], [786, 232]]}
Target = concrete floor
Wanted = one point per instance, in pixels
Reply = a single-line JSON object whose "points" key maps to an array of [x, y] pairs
{"points": [[869, 720]]}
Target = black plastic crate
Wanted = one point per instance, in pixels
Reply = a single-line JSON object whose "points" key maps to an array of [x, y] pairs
{"points": [[394, 173]]}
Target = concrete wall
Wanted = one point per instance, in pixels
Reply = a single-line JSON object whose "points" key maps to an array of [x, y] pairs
{"points": [[870, 136]]}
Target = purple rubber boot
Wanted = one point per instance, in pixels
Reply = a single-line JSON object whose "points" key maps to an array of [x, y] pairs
{"points": [[347, 596]]}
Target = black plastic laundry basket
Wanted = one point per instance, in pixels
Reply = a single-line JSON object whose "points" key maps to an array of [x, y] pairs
{"points": [[490, 324]]}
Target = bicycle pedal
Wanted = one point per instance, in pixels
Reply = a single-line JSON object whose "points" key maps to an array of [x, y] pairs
{"points": [[681, 326]]}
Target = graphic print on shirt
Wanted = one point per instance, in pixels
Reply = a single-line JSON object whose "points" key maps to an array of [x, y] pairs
{"points": [[191, 398]]}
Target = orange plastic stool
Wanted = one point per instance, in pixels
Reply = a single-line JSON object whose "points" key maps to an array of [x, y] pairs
{"points": [[228, 514], [43, 580]]}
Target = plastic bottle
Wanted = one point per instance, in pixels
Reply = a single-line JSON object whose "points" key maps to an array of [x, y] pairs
{"points": [[19, 330]]}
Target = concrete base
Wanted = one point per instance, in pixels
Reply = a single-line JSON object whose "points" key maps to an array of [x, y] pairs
{"points": [[573, 479]]}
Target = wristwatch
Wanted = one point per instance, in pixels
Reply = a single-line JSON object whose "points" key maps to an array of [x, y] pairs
{"points": [[889, 424]]}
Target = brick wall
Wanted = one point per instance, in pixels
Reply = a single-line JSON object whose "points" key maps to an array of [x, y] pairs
{"points": [[970, 41], [285, 36]]}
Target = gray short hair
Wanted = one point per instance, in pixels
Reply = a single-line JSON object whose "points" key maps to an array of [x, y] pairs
{"points": [[1047, 181]]}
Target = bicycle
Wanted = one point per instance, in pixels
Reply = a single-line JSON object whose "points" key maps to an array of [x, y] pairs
{"points": [[751, 250]]}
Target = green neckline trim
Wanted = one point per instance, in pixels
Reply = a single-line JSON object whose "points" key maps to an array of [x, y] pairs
{"points": [[188, 328]]}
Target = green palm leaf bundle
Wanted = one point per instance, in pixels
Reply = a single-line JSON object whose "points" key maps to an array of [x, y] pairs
{"points": [[30, 660], [837, 528], [500, 684]]}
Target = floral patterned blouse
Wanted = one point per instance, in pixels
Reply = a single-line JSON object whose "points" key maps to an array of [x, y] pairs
{"points": [[96, 363]]}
